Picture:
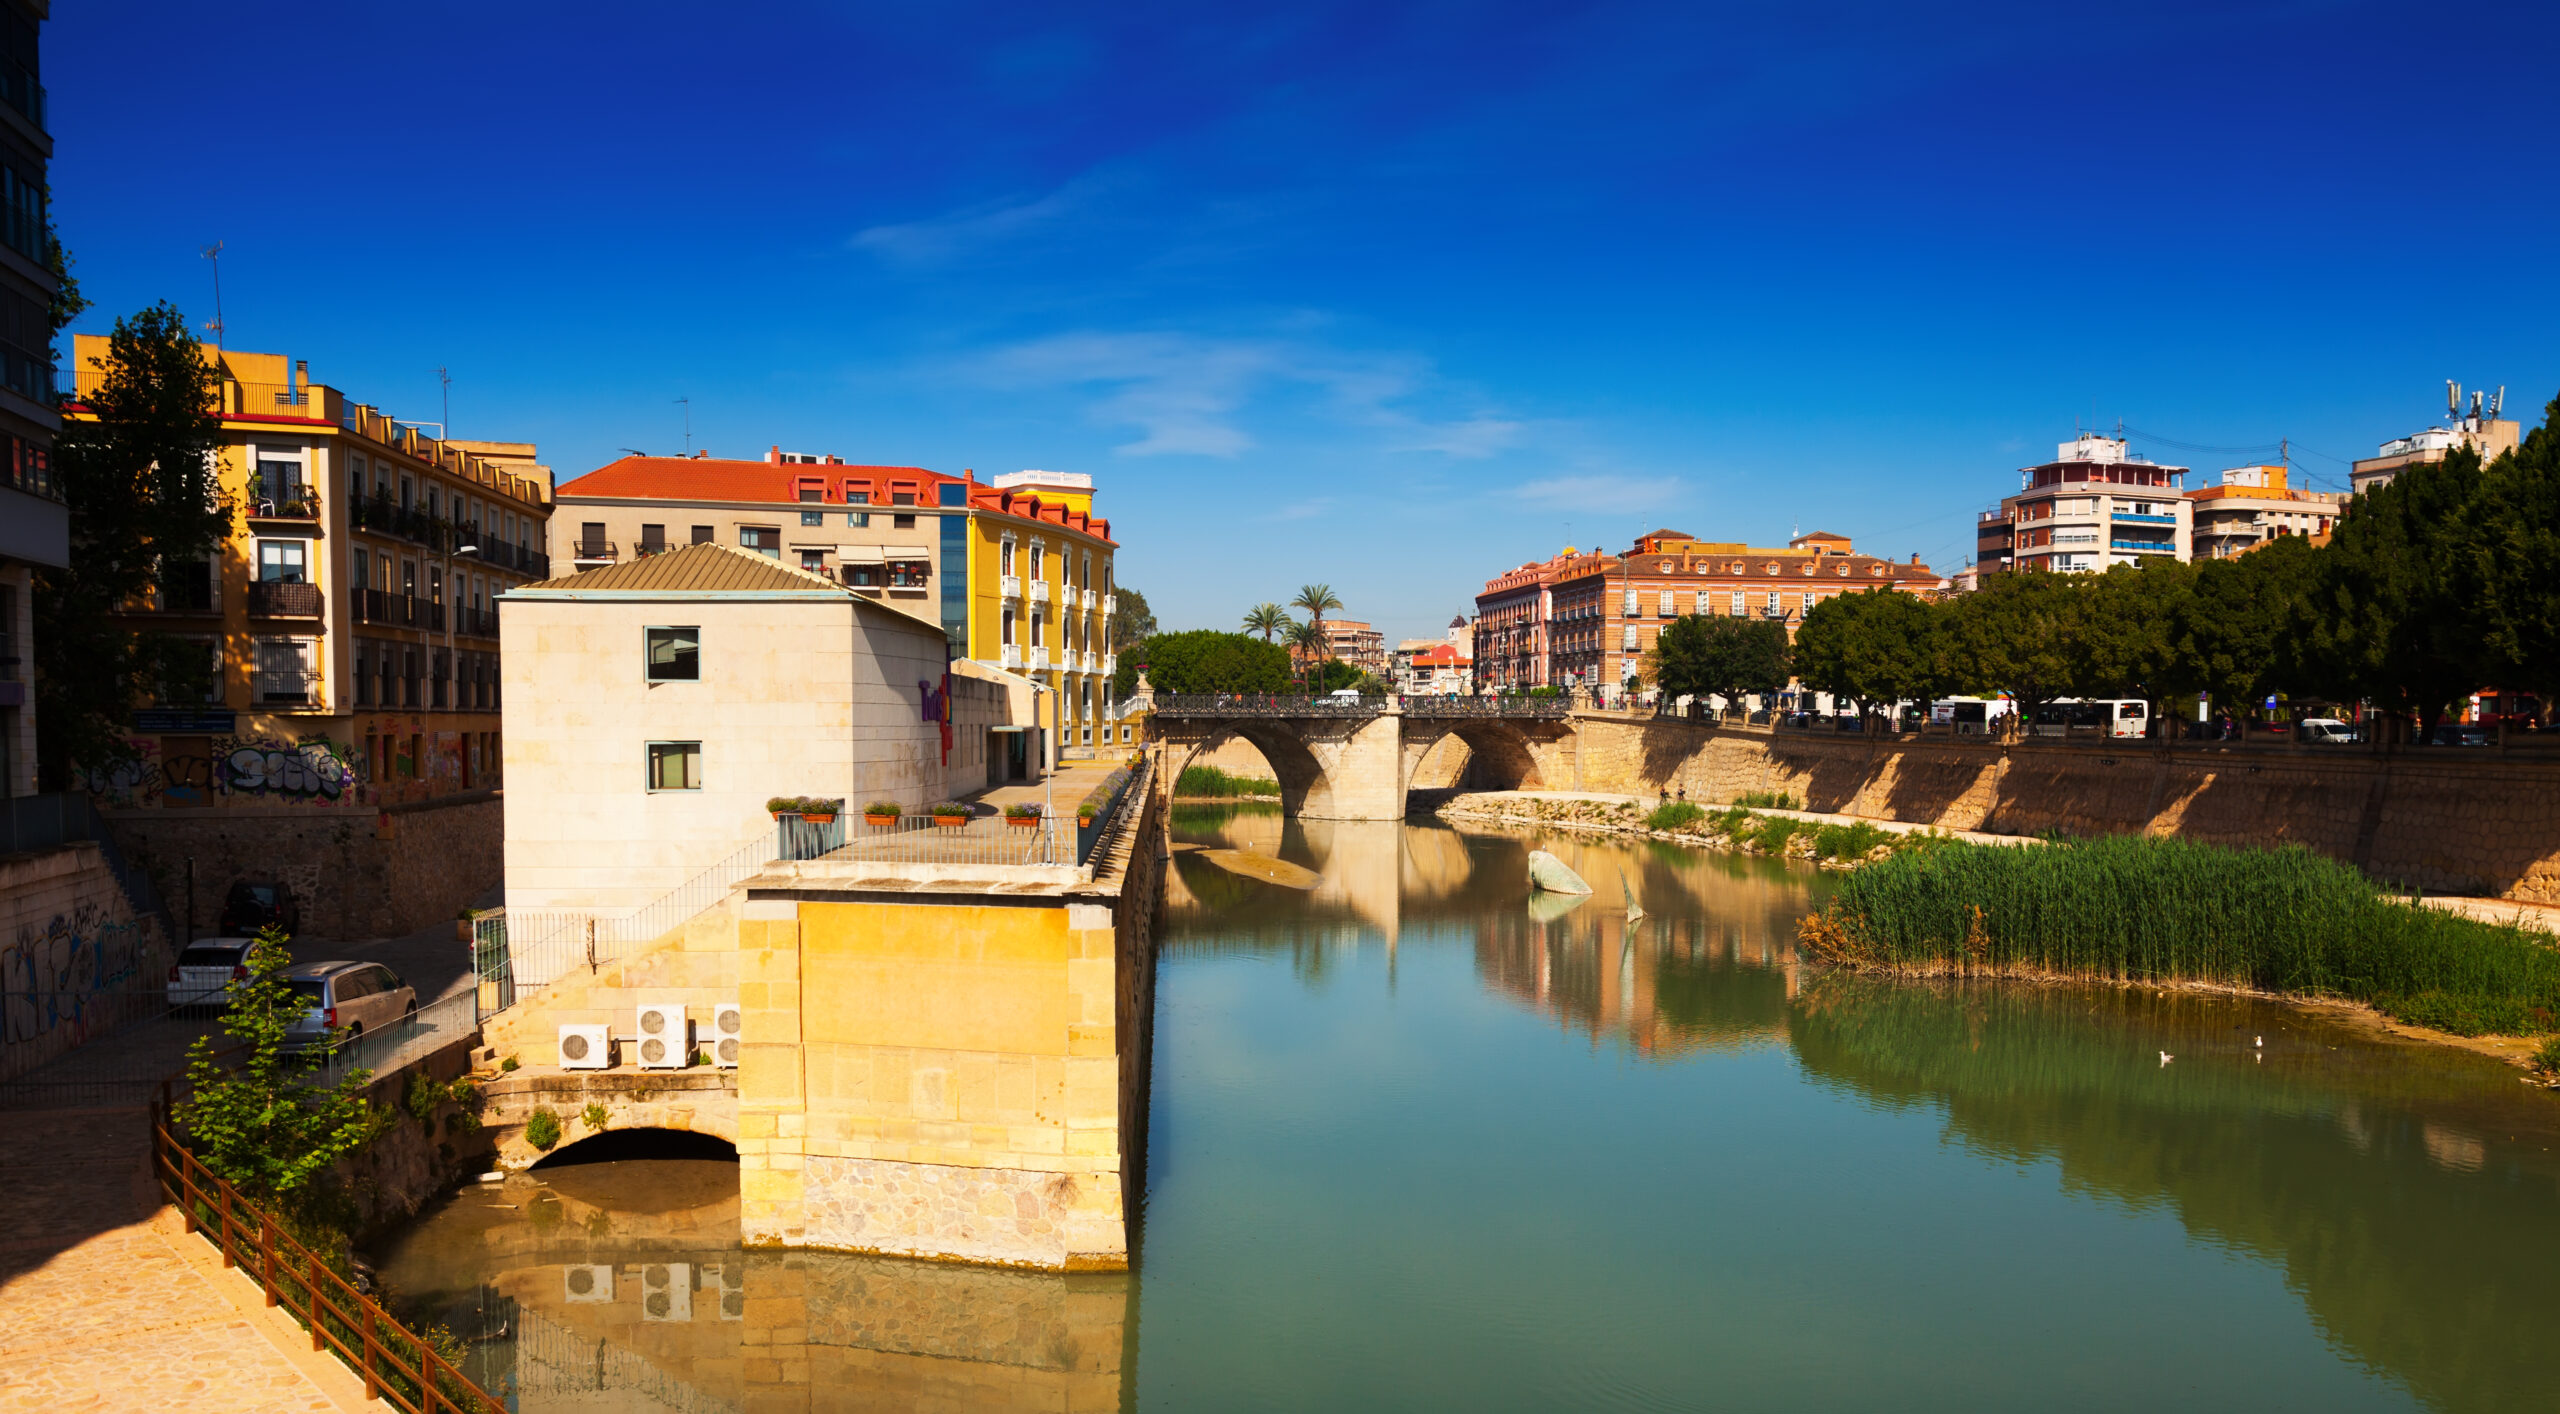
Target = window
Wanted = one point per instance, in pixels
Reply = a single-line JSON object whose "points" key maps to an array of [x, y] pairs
{"points": [[1630, 644], [902, 522], [865, 576], [278, 482], [653, 539], [812, 489], [675, 765], [814, 561], [813, 517], [283, 561], [702, 535], [903, 495], [1631, 609], [675, 654], [910, 574], [858, 520], [1039, 621], [1005, 631], [284, 671], [1038, 552], [1004, 563], [763, 539], [591, 537]]}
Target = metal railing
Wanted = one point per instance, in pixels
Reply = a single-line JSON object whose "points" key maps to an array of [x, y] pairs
{"points": [[1510, 708], [530, 948], [1224, 704], [422, 1032], [396, 1365], [284, 599], [296, 687], [983, 839]]}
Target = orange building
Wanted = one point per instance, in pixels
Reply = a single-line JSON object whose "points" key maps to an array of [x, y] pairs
{"points": [[1608, 615]]}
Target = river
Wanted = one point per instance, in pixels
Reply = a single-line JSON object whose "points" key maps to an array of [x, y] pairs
{"points": [[1421, 1141]]}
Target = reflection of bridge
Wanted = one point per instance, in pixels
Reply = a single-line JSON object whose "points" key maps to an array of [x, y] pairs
{"points": [[1352, 758]]}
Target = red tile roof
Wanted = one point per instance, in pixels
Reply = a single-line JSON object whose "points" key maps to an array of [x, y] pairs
{"points": [[778, 483]]}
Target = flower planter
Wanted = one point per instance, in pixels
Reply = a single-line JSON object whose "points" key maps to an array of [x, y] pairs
{"points": [[951, 822], [828, 818], [1021, 822], [880, 822]]}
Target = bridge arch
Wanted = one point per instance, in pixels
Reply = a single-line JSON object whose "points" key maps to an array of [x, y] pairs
{"points": [[1304, 786], [1352, 758], [649, 1142], [1500, 754]]}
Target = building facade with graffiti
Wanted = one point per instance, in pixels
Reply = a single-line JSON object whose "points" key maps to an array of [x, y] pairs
{"points": [[350, 623]]}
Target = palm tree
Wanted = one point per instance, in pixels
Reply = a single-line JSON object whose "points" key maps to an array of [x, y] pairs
{"points": [[1316, 599], [1267, 620], [1308, 644]]}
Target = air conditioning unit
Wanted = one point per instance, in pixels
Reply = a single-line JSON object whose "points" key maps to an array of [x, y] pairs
{"points": [[665, 1038], [587, 1283], [586, 1047], [666, 1292], [728, 1028], [730, 1280]]}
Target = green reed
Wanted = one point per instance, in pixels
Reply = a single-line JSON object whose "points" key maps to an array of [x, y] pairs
{"points": [[1210, 781], [1768, 800], [2138, 909]]}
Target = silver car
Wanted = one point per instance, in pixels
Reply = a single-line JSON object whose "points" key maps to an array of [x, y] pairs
{"points": [[208, 965], [349, 998]]}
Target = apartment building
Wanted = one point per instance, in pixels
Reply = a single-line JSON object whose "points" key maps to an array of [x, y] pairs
{"points": [[1515, 624], [2482, 428], [1357, 643], [351, 621], [35, 528], [1017, 570], [2095, 505], [1609, 616], [2251, 506]]}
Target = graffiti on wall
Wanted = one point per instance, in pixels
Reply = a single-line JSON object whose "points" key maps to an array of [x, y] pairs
{"points": [[57, 974], [312, 771]]}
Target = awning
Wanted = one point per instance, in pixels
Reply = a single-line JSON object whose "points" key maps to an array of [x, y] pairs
{"points": [[863, 554]]}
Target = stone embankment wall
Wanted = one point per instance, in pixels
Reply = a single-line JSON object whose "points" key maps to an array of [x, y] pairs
{"points": [[358, 871], [72, 953], [2454, 822]]}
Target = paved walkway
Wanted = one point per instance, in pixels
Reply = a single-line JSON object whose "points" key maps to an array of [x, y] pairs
{"points": [[107, 1303]]}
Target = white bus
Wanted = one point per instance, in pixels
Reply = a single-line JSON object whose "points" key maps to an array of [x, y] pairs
{"points": [[1969, 716], [2094, 716]]}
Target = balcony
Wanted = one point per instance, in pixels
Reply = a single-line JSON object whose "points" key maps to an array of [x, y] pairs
{"points": [[296, 687], [1012, 656], [294, 503], [1110, 662], [1039, 591], [594, 552], [1038, 662], [2131, 517], [2144, 547], [1009, 587], [283, 599], [1110, 601], [479, 623]]}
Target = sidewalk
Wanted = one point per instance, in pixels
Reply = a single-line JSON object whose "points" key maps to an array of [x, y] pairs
{"points": [[107, 1303]]}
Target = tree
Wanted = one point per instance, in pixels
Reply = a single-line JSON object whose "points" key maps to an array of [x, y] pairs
{"points": [[2517, 561], [1207, 660], [2125, 630], [1333, 674], [1308, 645], [1873, 648], [140, 480], [2234, 632], [265, 1124], [1267, 620], [1317, 599], [2016, 634], [1701, 655], [2396, 612], [1136, 622]]}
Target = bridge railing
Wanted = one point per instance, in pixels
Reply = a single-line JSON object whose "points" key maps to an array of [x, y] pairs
{"points": [[1547, 709], [1258, 704]]}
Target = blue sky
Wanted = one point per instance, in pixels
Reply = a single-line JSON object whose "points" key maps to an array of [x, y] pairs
{"points": [[1393, 297]]}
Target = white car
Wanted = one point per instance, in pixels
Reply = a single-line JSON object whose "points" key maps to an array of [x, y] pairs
{"points": [[2326, 730], [208, 965]]}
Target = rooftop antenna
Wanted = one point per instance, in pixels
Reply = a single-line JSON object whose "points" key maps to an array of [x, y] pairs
{"points": [[2498, 403], [688, 425], [446, 427], [2452, 397], [213, 253]]}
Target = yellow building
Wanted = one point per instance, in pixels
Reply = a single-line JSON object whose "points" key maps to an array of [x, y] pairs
{"points": [[1040, 600], [350, 621]]}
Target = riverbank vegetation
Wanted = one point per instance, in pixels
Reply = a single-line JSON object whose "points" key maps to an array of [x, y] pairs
{"points": [[1210, 782], [1733, 828], [2169, 911]]}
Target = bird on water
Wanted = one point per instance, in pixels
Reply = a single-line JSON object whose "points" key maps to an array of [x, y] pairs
{"points": [[2165, 1057]]}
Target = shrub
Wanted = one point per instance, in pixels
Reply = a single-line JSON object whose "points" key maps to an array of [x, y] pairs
{"points": [[1210, 781], [947, 808], [2133, 908], [1678, 815], [542, 1128], [883, 807], [822, 805], [509, 1063], [1851, 841], [267, 1122], [1767, 800], [595, 1115], [1775, 831], [2547, 1058], [783, 805], [1023, 811]]}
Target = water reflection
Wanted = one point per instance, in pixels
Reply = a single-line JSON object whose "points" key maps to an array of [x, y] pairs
{"points": [[622, 1286], [1419, 1146]]}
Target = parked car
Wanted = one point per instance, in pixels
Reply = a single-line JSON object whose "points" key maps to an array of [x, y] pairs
{"points": [[207, 966], [2461, 734], [345, 1000], [254, 904], [2329, 731]]}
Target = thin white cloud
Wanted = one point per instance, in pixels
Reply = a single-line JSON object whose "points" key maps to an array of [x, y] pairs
{"points": [[1189, 394], [974, 228], [1603, 493], [1303, 510]]}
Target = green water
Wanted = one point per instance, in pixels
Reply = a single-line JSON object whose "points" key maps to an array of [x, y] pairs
{"points": [[1417, 1144]]}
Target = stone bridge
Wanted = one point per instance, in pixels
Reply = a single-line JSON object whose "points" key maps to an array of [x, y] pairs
{"points": [[1354, 758]]}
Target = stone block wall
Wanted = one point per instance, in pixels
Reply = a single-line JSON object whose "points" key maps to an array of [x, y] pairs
{"points": [[2452, 822], [358, 873], [695, 966], [72, 955]]}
